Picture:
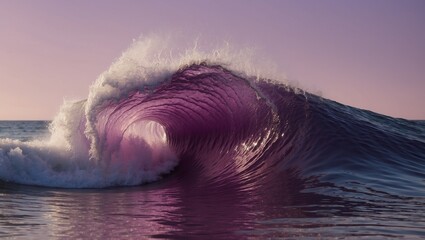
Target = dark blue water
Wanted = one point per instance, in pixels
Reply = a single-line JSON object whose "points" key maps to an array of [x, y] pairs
{"points": [[252, 161]]}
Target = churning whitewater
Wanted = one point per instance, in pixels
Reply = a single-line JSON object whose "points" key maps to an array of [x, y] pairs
{"points": [[220, 121]]}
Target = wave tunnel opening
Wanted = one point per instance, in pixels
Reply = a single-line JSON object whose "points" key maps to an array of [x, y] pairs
{"points": [[204, 116]]}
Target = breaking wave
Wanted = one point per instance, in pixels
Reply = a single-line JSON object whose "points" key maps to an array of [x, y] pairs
{"points": [[214, 119]]}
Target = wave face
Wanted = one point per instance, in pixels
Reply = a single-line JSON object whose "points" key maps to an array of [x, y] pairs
{"points": [[206, 121]]}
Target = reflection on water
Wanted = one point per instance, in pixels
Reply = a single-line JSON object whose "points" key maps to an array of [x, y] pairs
{"points": [[294, 207], [194, 202]]}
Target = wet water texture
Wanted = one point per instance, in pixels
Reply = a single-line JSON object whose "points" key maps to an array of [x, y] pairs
{"points": [[208, 154]]}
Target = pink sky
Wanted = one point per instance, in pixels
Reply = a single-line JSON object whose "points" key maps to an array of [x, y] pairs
{"points": [[367, 54]]}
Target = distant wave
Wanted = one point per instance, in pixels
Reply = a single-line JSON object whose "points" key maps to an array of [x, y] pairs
{"points": [[221, 122]]}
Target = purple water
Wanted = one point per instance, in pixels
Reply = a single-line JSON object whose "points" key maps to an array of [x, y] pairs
{"points": [[209, 154]]}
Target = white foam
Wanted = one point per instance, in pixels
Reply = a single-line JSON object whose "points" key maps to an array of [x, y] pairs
{"points": [[72, 156]]}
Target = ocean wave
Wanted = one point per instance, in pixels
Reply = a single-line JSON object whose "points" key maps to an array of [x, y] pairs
{"points": [[214, 119]]}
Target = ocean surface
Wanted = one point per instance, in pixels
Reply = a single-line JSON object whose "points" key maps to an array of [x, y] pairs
{"points": [[206, 150]]}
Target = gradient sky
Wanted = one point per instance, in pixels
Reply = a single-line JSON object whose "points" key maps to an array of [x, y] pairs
{"points": [[367, 54]]}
